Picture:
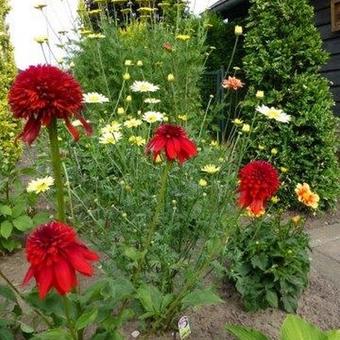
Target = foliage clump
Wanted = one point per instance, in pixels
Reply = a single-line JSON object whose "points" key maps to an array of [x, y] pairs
{"points": [[283, 57], [9, 150], [269, 263]]}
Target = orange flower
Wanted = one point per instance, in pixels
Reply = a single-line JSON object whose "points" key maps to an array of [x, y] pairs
{"points": [[306, 196], [232, 83]]}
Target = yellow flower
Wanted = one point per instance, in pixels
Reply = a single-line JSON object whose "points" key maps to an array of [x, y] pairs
{"points": [[210, 169], [296, 219], [137, 140], [158, 159], [183, 37], [41, 39], [171, 77], [245, 128], [120, 110], [126, 76], [139, 63], [306, 196], [128, 99], [238, 30], [283, 169], [214, 143], [275, 199], [274, 151], [183, 117], [114, 126], [259, 94], [133, 122], [40, 185], [238, 121], [128, 63], [202, 182], [261, 147]]}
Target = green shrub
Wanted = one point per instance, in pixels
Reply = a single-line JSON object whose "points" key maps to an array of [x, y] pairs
{"points": [[10, 151], [283, 56], [269, 263]]}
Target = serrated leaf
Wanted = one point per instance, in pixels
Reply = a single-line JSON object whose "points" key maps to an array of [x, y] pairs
{"points": [[5, 210], [6, 229], [200, 297], [272, 298], [245, 333], [23, 223], [86, 319]]}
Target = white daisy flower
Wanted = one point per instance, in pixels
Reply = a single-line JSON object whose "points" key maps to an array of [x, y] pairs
{"points": [[153, 116], [143, 86], [133, 122], [40, 184], [114, 126], [152, 101], [110, 137], [94, 97], [273, 113]]}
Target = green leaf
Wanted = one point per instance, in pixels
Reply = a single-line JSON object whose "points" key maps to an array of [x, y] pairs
{"points": [[298, 329], [201, 297], [23, 223], [6, 334], [7, 293], [6, 229], [150, 298], [245, 333], [41, 218], [85, 319], [260, 261], [333, 335], [272, 298], [26, 328], [133, 254], [5, 210], [54, 334], [19, 209]]}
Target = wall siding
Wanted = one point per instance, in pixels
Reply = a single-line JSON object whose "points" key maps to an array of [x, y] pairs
{"points": [[331, 42]]}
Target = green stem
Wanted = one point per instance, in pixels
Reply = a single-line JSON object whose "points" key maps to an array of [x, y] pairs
{"points": [[16, 291], [56, 165], [160, 205], [68, 318]]}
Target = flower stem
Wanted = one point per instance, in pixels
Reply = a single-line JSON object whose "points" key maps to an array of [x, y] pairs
{"points": [[68, 318], [56, 165]]}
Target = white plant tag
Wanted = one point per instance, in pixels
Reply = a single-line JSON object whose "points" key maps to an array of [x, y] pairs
{"points": [[184, 327]]}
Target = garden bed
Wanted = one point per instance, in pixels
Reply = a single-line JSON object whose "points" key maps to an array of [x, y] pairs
{"points": [[319, 304]]}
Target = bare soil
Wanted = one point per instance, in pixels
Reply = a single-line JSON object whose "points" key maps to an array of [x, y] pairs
{"points": [[319, 304]]}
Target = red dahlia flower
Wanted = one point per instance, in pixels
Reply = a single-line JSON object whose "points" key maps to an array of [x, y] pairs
{"points": [[259, 181], [174, 142], [43, 92], [55, 255]]}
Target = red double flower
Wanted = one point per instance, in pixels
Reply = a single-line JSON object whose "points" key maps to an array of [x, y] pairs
{"points": [[174, 142], [43, 92], [55, 255], [259, 181]]}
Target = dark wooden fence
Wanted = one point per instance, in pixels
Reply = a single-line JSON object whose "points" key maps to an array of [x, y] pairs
{"points": [[331, 41]]}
